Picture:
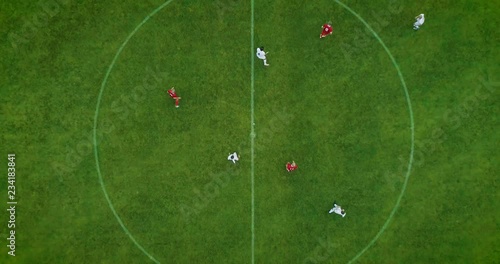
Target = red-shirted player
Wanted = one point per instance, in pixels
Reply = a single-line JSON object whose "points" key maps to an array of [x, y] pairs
{"points": [[174, 96], [291, 166], [327, 30]]}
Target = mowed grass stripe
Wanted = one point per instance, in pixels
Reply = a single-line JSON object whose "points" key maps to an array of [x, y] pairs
{"points": [[412, 136], [159, 159], [96, 116], [252, 124], [334, 125]]}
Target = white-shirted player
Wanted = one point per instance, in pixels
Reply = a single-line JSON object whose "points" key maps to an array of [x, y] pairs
{"points": [[419, 20], [262, 55], [233, 157], [337, 209]]}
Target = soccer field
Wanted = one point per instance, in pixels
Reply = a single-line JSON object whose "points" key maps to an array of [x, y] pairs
{"points": [[394, 124]]}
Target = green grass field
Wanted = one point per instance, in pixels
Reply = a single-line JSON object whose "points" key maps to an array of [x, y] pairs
{"points": [[109, 171]]}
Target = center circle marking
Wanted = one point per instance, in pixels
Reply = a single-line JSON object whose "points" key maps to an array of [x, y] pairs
{"points": [[154, 12]]}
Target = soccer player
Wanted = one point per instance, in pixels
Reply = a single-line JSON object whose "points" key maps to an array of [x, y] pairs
{"points": [[337, 209], [262, 55], [419, 20], [233, 157], [291, 166], [174, 96], [327, 30]]}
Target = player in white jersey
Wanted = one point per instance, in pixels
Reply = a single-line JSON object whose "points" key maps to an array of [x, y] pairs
{"points": [[262, 55], [419, 20], [337, 209], [233, 157]]}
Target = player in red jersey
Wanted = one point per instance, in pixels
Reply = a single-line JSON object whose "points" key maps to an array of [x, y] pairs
{"points": [[291, 166], [327, 30], [174, 96]]}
